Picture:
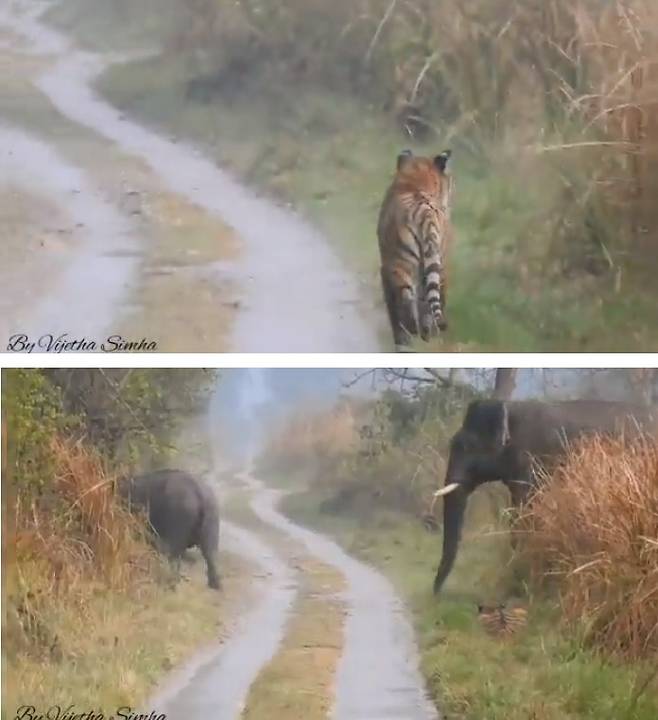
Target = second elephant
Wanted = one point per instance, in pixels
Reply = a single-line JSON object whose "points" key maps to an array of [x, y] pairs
{"points": [[504, 441], [183, 512]]}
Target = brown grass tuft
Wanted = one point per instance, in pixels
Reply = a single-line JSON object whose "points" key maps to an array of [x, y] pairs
{"points": [[67, 544], [594, 526]]}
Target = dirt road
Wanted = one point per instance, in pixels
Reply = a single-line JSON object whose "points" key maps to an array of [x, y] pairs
{"points": [[95, 270], [261, 279], [327, 637]]}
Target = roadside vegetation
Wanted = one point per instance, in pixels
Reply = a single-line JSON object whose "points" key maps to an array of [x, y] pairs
{"points": [[548, 105], [591, 534], [87, 603], [586, 569]]}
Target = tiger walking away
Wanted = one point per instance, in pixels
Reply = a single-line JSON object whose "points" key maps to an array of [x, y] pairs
{"points": [[414, 233]]}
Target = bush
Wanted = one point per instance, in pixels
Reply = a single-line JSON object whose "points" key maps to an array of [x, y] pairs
{"points": [[593, 526]]}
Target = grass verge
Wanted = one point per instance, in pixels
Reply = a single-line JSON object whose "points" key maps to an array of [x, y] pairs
{"points": [[298, 683], [115, 647]]}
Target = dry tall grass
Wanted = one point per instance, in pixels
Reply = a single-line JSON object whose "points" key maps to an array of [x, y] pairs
{"points": [[84, 611], [65, 545], [567, 90], [594, 526]]}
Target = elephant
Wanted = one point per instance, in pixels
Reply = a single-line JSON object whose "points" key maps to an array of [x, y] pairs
{"points": [[509, 441], [183, 512]]}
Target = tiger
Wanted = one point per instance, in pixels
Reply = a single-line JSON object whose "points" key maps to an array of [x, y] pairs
{"points": [[414, 233], [499, 620]]}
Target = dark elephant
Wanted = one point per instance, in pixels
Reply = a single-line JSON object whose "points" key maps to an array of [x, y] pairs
{"points": [[509, 441], [183, 512]]}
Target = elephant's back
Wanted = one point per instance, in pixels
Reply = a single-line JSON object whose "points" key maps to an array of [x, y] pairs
{"points": [[166, 491], [606, 417]]}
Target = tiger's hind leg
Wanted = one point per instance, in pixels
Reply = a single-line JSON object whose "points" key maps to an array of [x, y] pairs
{"points": [[408, 311], [402, 310], [391, 307]]}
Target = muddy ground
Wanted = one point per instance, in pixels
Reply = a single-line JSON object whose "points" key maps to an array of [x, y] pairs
{"points": [[153, 239]]}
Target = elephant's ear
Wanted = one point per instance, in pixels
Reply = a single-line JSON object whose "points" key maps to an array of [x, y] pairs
{"points": [[489, 420]]}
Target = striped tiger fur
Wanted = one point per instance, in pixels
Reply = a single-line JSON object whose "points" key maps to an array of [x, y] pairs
{"points": [[414, 233], [499, 620]]}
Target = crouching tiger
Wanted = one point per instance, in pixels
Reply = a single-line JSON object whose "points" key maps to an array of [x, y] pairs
{"points": [[414, 233]]}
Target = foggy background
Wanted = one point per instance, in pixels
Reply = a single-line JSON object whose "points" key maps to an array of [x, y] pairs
{"points": [[249, 403]]}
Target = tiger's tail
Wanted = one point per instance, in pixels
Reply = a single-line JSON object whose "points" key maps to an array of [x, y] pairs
{"points": [[433, 280]]}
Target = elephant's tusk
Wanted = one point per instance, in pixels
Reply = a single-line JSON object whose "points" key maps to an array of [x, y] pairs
{"points": [[439, 493], [446, 490]]}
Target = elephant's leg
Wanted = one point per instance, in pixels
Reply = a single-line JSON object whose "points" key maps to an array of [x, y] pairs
{"points": [[208, 542], [210, 556], [170, 543]]}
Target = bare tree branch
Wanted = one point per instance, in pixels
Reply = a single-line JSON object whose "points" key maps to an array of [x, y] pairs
{"points": [[357, 379], [378, 32]]}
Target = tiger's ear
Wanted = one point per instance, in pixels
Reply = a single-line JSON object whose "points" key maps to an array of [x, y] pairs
{"points": [[403, 157], [441, 161]]}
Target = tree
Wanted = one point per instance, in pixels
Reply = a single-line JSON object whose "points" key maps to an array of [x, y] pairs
{"points": [[504, 383]]}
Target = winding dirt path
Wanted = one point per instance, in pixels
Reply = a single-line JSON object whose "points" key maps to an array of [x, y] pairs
{"points": [[96, 269], [378, 676], [343, 649], [294, 295]]}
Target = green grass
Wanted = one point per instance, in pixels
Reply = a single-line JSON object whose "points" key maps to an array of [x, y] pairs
{"points": [[541, 674], [331, 157], [115, 646]]}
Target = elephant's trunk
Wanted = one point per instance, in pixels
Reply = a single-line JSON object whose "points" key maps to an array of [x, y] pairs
{"points": [[454, 507]]}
